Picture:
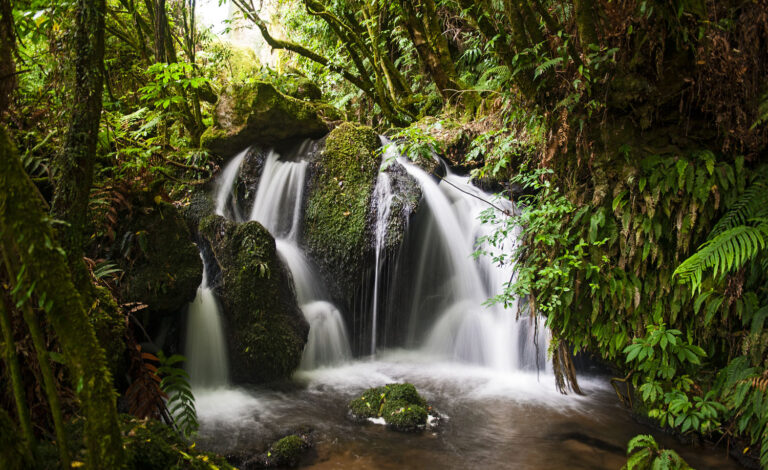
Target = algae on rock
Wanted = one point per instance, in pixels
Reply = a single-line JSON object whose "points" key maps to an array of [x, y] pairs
{"points": [[267, 331]]}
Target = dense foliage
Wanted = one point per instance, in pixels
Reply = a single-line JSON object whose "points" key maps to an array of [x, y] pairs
{"points": [[632, 135]]}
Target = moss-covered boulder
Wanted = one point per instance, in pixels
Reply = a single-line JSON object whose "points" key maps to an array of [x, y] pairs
{"points": [[400, 405], [256, 113], [155, 249], [337, 225], [267, 331]]}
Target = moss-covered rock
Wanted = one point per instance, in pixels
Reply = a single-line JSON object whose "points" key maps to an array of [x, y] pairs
{"points": [[162, 265], [256, 113], [401, 406], [337, 228], [267, 331]]}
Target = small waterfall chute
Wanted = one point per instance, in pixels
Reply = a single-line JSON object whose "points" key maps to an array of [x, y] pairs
{"points": [[277, 206], [206, 349]]}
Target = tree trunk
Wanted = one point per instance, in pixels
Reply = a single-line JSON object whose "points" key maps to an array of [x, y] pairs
{"points": [[47, 276], [74, 165]]}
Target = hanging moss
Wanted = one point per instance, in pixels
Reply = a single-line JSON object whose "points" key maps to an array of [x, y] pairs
{"points": [[267, 331], [337, 231]]}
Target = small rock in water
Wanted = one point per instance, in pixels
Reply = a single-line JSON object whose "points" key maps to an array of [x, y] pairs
{"points": [[398, 406]]}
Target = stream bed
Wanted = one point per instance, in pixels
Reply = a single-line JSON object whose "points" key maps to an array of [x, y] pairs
{"points": [[513, 420]]}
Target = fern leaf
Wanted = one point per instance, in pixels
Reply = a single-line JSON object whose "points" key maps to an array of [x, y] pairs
{"points": [[726, 252]]}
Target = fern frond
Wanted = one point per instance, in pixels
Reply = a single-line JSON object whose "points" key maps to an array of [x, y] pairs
{"points": [[726, 252], [753, 203]]}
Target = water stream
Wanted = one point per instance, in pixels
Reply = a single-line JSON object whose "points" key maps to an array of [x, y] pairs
{"points": [[481, 366]]}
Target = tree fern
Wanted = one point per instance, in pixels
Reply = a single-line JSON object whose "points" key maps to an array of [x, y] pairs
{"points": [[726, 252]]}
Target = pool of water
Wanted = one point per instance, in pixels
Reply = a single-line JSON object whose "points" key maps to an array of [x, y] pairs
{"points": [[492, 420]]}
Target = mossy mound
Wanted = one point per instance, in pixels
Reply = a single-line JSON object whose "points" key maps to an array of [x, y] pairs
{"points": [[401, 406], [162, 265], [256, 113], [337, 230], [267, 331]]}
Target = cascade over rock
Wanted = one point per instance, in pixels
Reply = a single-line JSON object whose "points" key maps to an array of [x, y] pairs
{"points": [[337, 227], [267, 331], [154, 247], [256, 112]]}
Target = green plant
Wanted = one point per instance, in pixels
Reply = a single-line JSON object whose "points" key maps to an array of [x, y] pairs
{"points": [[644, 454], [181, 401]]}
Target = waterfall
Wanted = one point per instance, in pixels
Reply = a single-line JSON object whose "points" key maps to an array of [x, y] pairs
{"points": [[226, 182], [446, 281], [277, 206], [382, 196], [206, 346]]}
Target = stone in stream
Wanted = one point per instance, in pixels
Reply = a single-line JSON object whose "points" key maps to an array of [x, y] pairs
{"points": [[399, 405], [266, 331]]}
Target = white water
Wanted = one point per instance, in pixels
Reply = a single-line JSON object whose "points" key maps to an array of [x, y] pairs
{"points": [[227, 181], [465, 329], [382, 196], [206, 348], [277, 206]]}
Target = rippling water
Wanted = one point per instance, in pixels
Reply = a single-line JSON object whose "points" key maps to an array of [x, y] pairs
{"points": [[514, 420]]}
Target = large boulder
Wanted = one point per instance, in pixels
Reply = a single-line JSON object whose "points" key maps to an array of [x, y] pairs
{"points": [[155, 249], [337, 226], [399, 405], [256, 113], [267, 331]]}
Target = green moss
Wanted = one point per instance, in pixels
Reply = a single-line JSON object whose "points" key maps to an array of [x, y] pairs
{"points": [[404, 392], [162, 265], [288, 450], [299, 87], [401, 406], [109, 324], [369, 403], [255, 112], [404, 416], [337, 232], [267, 330]]}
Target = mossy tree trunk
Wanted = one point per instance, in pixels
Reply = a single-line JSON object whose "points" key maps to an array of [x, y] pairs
{"points": [[46, 276], [75, 163], [427, 36]]}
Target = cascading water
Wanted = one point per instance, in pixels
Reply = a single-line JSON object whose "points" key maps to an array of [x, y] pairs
{"points": [[383, 196], [277, 206], [448, 283], [206, 347], [226, 182]]}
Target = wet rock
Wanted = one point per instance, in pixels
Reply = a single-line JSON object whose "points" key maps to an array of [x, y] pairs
{"points": [[266, 330], [405, 202], [288, 451], [399, 405], [337, 227], [256, 113]]}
